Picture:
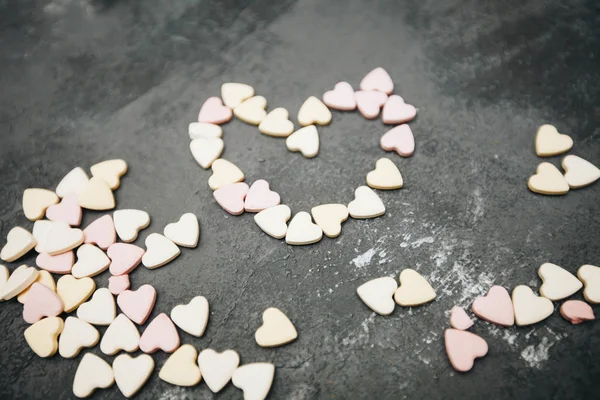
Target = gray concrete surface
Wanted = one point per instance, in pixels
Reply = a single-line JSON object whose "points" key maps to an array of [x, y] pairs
{"points": [[84, 81]]}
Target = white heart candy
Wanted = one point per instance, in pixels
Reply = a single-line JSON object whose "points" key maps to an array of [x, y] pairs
{"points": [[385, 176], [276, 330], [97, 195], [252, 111], [159, 251], [180, 368], [18, 243], [192, 317], [110, 171], [74, 182], [366, 204], [548, 142], [131, 373], [277, 124], [36, 201], [224, 173], [414, 290], [254, 379], [92, 373], [548, 180], [76, 335], [42, 337], [62, 238], [590, 276], [302, 231], [378, 294], [579, 172], [530, 308], [90, 261], [206, 150], [128, 223], [273, 220], [313, 111], [40, 233], [19, 280], [558, 283], [185, 232], [329, 217], [217, 368], [233, 94], [100, 310], [305, 140], [198, 130], [121, 334]]}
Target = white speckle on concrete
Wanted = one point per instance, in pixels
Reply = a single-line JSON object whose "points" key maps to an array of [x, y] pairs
{"points": [[478, 205], [363, 259], [361, 337], [535, 355]]}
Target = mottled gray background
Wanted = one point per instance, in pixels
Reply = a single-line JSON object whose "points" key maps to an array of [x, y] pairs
{"points": [[83, 81]]}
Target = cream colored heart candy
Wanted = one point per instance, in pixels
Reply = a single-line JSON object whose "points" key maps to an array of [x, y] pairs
{"points": [[276, 330], [378, 294], [579, 172], [90, 261], [42, 337], [590, 276], [548, 142], [548, 180], [385, 176], [73, 291], [529, 308], [97, 195], [224, 172], [233, 93], [414, 290], [277, 124], [558, 283], [198, 130], [313, 111], [121, 334], [18, 242], [254, 380], [36, 201], [366, 204], [76, 335], [181, 368], [100, 310], [217, 368], [159, 251], [92, 373], [273, 220], [19, 280], [305, 140], [192, 317], [302, 231], [206, 150], [252, 111], [185, 232], [62, 238], [110, 171], [128, 223], [131, 373], [329, 218], [73, 183]]}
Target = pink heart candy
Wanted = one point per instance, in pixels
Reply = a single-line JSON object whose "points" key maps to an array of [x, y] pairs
{"points": [[160, 334], [463, 348], [118, 284], [58, 264], [399, 139], [577, 311], [214, 112], [459, 319], [396, 111], [101, 232], [68, 210], [231, 197], [369, 102], [125, 257], [41, 302], [341, 97], [378, 79], [137, 304], [260, 197], [496, 307]]}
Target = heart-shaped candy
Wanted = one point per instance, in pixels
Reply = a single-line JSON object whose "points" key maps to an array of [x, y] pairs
{"points": [[252, 111], [74, 291], [67, 210], [385, 176], [341, 97], [90, 261], [305, 140], [18, 243], [590, 276], [159, 251], [463, 348], [577, 311], [558, 283], [92, 373], [41, 302], [101, 232], [217, 368], [396, 111], [378, 294], [128, 223], [19, 280], [224, 173], [314, 112], [378, 79], [548, 142], [234, 93], [366, 204], [548, 180], [496, 307], [110, 171], [254, 380], [42, 337], [206, 150], [36, 201], [277, 124], [160, 334], [41, 227], [137, 304], [579, 172], [180, 368], [369, 102], [399, 139], [414, 290], [276, 330], [100, 310], [121, 334], [118, 284], [214, 112], [231, 197], [192, 317], [329, 217], [459, 319], [62, 238], [198, 130], [76, 335], [124, 257], [73, 182], [273, 221], [260, 197], [96, 195], [528, 307], [302, 230], [185, 232], [45, 278], [131, 373]]}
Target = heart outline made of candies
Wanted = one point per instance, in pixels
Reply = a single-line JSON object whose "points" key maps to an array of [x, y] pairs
{"points": [[375, 97]]}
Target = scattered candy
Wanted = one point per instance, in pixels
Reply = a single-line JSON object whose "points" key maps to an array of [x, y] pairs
{"points": [[206, 150], [124, 258], [558, 283], [385, 176], [273, 221], [277, 124], [100, 310], [414, 290], [61, 238], [41, 302], [329, 218], [44, 278], [73, 183], [19, 280], [234, 94], [459, 319], [341, 97], [159, 251], [18, 243], [224, 172], [314, 112], [100, 232], [366, 204], [302, 231], [396, 111], [121, 334], [192, 317], [128, 223], [378, 79], [463, 348], [305, 140], [118, 284], [36, 201], [378, 294], [260, 197], [369, 102], [276, 330], [137, 304], [577, 311], [110, 171], [590, 276], [76, 335], [399, 139], [185, 232], [96, 196], [496, 307], [198, 130], [214, 112], [579, 172], [217, 368], [73, 291], [92, 373], [231, 197], [131, 373], [548, 142], [254, 380], [252, 111], [529, 308], [67, 210], [548, 180], [90, 261], [42, 337], [180, 368]]}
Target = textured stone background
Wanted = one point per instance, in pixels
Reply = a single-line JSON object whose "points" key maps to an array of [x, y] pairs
{"points": [[84, 81]]}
